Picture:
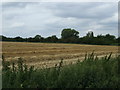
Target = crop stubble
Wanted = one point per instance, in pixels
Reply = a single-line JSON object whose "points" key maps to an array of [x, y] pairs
{"points": [[49, 54]]}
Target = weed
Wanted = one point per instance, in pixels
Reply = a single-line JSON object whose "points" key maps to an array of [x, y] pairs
{"points": [[93, 72]]}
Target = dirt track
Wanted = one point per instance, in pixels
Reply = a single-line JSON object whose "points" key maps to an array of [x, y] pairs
{"points": [[42, 54]]}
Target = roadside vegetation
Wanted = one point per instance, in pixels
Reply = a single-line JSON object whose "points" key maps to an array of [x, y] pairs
{"points": [[93, 72]]}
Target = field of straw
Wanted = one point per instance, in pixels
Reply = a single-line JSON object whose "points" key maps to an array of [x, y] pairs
{"points": [[49, 54]]}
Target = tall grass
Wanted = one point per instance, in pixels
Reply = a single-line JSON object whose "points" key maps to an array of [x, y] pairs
{"points": [[93, 72]]}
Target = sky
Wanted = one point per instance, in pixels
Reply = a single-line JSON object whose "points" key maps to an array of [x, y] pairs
{"points": [[27, 19]]}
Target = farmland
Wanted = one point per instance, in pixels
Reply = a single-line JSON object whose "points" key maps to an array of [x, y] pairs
{"points": [[93, 72], [49, 54]]}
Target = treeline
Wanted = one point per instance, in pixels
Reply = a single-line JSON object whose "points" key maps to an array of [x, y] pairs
{"points": [[70, 36]]}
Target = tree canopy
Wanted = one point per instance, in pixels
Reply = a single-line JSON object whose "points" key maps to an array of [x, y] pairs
{"points": [[69, 33]]}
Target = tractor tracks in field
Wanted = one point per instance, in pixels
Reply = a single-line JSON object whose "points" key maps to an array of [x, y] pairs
{"points": [[52, 63]]}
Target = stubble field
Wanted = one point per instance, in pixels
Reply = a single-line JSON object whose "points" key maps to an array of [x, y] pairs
{"points": [[49, 54]]}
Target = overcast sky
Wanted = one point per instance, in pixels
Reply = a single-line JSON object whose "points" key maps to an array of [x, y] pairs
{"points": [[49, 18]]}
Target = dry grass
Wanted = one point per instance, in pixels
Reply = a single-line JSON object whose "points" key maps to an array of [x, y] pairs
{"points": [[41, 54]]}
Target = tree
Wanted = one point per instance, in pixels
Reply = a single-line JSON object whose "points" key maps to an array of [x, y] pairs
{"points": [[69, 33], [118, 41], [110, 37], [89, 38], [90, 34], [52, 39], [20, 39], [2, 38], [37, 37]]}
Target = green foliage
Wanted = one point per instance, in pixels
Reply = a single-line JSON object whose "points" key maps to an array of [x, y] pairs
{"points": [[70, 36], [52, 39], [37, 38], [93, 72], [69, 33], [90, 34]]}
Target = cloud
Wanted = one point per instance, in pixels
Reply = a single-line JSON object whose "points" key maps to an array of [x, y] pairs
{"points": [[17, 25], [60, 1], [28, 19]]}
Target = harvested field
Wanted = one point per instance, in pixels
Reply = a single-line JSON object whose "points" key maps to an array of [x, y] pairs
{"points": [[49, 54]]}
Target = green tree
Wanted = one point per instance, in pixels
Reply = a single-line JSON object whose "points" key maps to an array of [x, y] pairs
{"points": [[90, 34], [3, 38], [52, 39], [110, 37], [118, 41], [20, 39], [69, 33], [37, 37]]}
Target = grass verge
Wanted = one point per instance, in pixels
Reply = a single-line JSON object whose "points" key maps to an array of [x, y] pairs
{"points": [[93, 72]]}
